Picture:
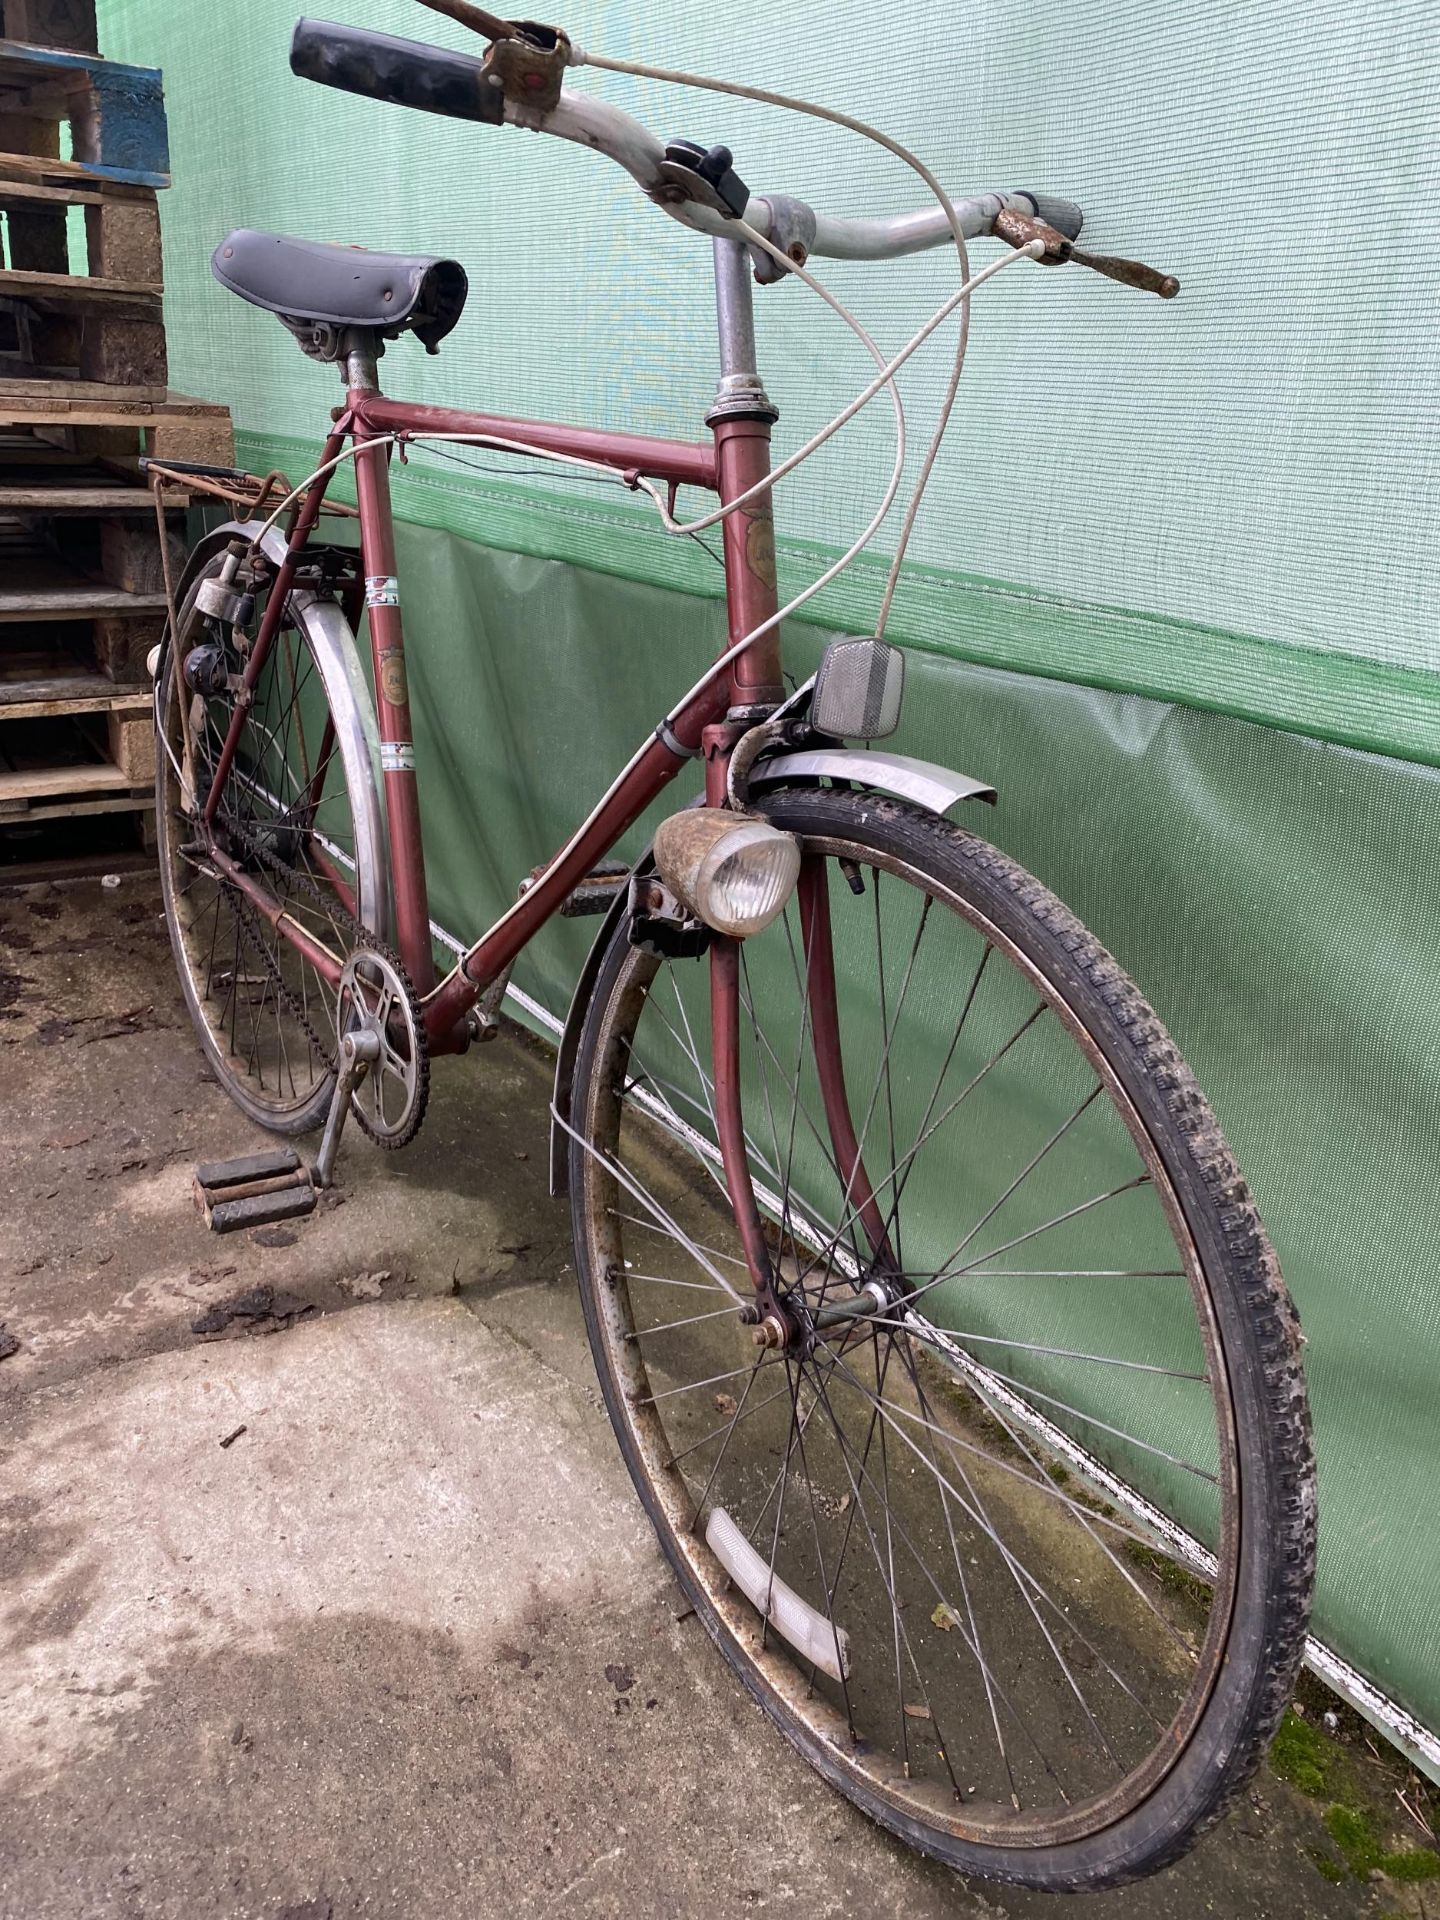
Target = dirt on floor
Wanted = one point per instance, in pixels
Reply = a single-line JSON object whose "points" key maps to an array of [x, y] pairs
{"points": [[323, 1591]]}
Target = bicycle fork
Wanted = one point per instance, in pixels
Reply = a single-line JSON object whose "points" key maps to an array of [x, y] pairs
{"points": [[741, 418]]}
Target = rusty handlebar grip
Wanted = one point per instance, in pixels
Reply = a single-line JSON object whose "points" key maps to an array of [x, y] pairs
{"points": [[1129, 273], [489, 25]]}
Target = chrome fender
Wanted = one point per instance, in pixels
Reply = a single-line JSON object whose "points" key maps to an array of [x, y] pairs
{"points": [[922, 782], [570, 1037], [347, 693]]}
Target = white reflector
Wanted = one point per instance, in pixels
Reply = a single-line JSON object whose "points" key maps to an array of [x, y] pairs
{"points": [[858, 689], [794, 1619]]}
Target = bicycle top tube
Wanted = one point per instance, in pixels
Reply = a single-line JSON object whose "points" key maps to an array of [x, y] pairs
{"points": [[437, 80]]}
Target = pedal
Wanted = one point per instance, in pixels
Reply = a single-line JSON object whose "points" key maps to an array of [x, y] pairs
{"points": [[253, 1191], [596, 892]]}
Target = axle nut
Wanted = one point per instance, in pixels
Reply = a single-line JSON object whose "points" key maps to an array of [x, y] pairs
{"points": [[771, 1332]]}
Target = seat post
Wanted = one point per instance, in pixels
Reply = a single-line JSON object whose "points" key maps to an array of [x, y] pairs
{"points": [[360, 360]]}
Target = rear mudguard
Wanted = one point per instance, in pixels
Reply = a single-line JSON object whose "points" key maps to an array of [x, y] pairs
{"points": [[924, 784], [347, 692]]}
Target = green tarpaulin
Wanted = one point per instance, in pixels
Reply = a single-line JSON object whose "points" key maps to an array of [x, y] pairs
{"points": [[1172, 522]]}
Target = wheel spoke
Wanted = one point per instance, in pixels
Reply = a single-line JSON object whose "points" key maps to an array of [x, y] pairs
{"points": [[1009, 1509]]}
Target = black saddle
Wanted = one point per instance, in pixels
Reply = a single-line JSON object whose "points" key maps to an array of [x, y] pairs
{"points": [[316, 288]]}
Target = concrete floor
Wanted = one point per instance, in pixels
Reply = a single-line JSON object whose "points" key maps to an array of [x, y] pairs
{"points": [[406, 1646]]}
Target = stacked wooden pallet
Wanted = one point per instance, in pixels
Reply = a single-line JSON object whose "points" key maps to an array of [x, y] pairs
{"points": [[83, 392]]}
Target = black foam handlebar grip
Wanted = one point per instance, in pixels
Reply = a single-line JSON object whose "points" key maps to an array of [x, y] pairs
{"points": [[406, 72]]}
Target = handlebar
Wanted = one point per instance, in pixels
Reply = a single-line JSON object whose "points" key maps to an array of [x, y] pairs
{"points": [[518, 83]]}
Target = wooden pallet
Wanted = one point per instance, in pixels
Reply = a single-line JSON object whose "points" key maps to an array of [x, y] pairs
{"points": [[122, 224], [87, 588], [91, 417], [96, 327], [116, 113], [103, 324], [77, 488], [83, 392], [51, 23], [40, 478], [71, 740], [68, 754]]}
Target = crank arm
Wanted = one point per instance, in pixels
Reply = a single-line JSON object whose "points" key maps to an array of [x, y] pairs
{"points": [[358, 1053]]}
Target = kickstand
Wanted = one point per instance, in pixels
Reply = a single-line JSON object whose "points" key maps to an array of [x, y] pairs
{"points": [[266, 1187]]}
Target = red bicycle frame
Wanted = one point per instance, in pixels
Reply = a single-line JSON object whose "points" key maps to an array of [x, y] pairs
{"points": [[707, 726]]}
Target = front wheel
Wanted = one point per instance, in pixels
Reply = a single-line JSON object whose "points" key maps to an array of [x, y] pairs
{"points": [[1014, 1541]]}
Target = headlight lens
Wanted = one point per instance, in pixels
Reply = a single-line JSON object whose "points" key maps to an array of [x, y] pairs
{"points": [[735, 872]]}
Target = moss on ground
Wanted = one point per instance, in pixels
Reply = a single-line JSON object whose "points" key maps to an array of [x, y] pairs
{"points": [[1302, 1756], [1170, 1574], [1360, 1785], [1356, 1833]]}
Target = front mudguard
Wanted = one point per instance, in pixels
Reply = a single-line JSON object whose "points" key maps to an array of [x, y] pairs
{"points": [[923, 783]]}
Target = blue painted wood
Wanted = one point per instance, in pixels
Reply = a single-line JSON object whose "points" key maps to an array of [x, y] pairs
{"points": [[120, 129]]}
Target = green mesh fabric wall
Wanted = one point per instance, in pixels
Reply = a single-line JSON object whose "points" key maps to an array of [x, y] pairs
{"points": [[1223, 499], [1274, 895], [1219, 504]]}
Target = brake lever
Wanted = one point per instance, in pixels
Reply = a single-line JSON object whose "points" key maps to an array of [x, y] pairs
{"points": [[525, 59], [1129, 273], [489, 25], [1018, 229]]}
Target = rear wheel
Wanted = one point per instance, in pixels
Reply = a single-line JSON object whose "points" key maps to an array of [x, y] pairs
{"points": [[1015, 1541], [298, 815]]}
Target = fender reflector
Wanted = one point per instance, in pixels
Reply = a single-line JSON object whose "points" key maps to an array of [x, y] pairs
{"points": [[812, 1636], [858, 689]]}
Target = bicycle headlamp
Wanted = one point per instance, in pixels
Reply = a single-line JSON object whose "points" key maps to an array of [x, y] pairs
{"points": [[734, 871]]}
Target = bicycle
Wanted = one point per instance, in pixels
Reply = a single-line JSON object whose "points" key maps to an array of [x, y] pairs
{"points": [[1018, 1558]]}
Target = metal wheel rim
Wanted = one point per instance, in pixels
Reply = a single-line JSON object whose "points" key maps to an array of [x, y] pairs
{"points": [[733, 1615], [179, 872]]}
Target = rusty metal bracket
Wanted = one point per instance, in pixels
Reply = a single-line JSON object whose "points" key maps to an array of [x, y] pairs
{"points": [[1019, 229], [791, 229], [244, 490], [529, 65]]}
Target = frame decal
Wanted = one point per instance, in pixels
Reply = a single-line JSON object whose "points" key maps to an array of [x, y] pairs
{"points": [[382, 590], [394, 687], [397, 756]]}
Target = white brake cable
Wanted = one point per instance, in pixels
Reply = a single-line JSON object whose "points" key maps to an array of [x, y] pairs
{"points": [[815, 111], [885, 378]]}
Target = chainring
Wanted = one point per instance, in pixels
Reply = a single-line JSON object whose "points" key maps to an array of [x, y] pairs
{"points": [[376, 995], [405, 1052]]}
